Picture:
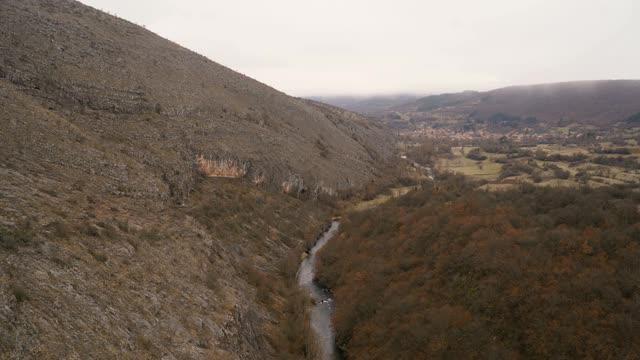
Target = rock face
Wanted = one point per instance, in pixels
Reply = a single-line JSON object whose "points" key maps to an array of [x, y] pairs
{"points": [[112, 243]]}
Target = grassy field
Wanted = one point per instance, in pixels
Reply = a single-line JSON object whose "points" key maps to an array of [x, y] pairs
{"points": [[382, 198], [584, 172], [458, 163]]}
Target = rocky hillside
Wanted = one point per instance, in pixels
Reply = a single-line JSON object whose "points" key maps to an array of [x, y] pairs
{"points": [[142, 212], [115, 83]]}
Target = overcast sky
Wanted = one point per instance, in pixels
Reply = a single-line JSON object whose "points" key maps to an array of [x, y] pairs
{"points": [[329, 47]]}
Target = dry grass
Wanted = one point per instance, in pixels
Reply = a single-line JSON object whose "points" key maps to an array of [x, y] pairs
{"points": [[489, 170], [484, 170], [381, 198], [497, 187]]}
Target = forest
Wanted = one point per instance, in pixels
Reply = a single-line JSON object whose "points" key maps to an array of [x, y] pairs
{"points": [[449, 272]]}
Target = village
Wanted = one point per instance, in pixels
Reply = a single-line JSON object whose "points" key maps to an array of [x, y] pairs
{"points": [[522, 136]]}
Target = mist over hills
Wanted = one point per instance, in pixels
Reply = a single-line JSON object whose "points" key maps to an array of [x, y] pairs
{"points": [[368, 105], [588, 102], [599, 103]]}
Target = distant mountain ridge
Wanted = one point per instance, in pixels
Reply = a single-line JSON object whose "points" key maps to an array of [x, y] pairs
{"points": [[599, 103], [437, 101], [368, 105]]}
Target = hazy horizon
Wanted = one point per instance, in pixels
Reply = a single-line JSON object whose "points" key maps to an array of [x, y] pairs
{"points": [[363, 48]]}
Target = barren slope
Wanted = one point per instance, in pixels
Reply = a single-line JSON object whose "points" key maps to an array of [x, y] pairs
{"points": [[112, 244], [124, 86]]}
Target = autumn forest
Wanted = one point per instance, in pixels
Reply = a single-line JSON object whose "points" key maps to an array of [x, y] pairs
{"points": [[452, 272]]}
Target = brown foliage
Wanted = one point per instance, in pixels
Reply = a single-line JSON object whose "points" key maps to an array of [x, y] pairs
{"points": [[449, 272]]}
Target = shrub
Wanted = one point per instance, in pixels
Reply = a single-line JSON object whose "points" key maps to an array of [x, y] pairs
{"points": [[20, 236], [324, 150], [212, 280], [536, 177], [90, 230], [495, 147], [560, 173], [583, 176], [618, 151], [515, 168], [540, 155], [150, 235], [109, 230], [60, 229], [99, 256], [474, 154], [123, 225], [619, 161], [19, 293], [520, 153], [577, 157]]}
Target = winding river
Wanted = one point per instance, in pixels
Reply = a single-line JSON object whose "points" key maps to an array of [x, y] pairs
{"points": [[321, 311], [323, 307]]}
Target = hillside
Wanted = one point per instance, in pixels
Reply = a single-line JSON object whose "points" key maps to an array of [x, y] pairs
{"points": [[369, 105], [600, 103], [595, 103], [154, 203], [117, 82], [438, 101]]}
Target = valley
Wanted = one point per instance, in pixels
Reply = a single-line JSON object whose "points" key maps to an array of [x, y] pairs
{"points": [[517, 220], [155, 204]]}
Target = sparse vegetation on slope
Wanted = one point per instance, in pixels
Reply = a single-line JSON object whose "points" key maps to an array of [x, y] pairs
{"points": [[141, 205], [75, 79], [215, 279]]}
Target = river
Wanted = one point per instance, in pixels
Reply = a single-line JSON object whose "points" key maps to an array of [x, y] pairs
{"points": [[323, 308]]}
